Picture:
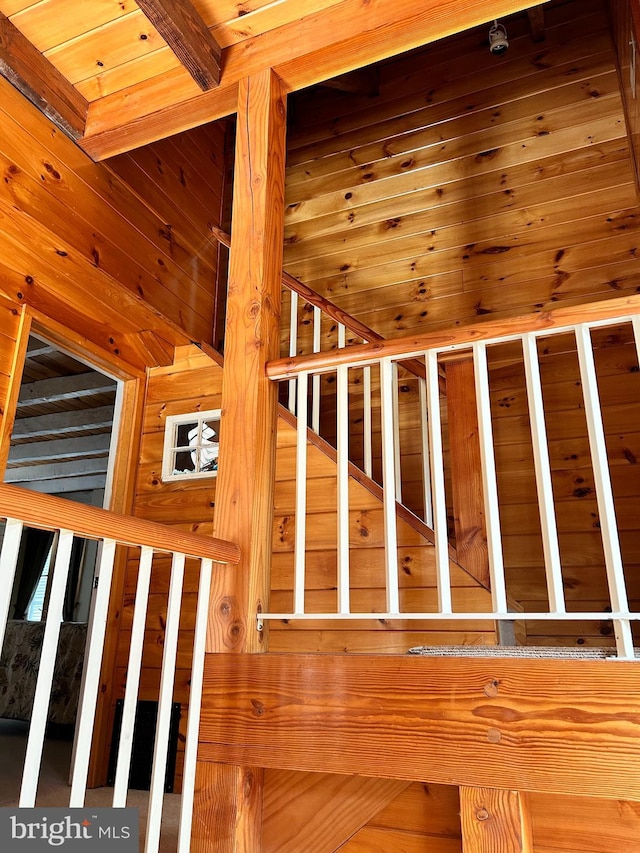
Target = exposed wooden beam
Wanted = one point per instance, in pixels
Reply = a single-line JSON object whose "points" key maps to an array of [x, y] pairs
{"points": [[40, 81], [61, 388], [181, 26], [563, 726], [494, 821], [63, 423], [57, 470], [88, 483], [536, 22], [59, 449], [342, 41]]}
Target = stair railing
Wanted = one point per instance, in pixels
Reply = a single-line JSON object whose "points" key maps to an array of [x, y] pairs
{"points": [[311, 324], [531, 333], [21, 508]]}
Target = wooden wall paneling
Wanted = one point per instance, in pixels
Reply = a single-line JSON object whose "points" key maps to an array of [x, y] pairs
{"points": [[40, 81], [104, 207], [466, 470], [182, 179], [451, 63], [416, 566], [318, 812], [546, 98], [426, 809], [625, 26], [473, 233], [495, 820], [579, 825]]}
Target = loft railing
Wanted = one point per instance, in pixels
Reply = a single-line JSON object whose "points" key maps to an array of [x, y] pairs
{"points": [[311, 324], [21, 508], [530, 334]]}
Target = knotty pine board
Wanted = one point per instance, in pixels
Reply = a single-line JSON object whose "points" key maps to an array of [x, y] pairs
{"points": [[49, 175]]}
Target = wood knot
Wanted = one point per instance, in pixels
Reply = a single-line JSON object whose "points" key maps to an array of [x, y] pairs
{"points": [[491, 688], [494, 736], [482, 814]]}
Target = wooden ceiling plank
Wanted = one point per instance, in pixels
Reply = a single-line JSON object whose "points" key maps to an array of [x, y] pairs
{"points": [[188, 37], [308, 51], [52, 22], [110, 46], [30, 72]]}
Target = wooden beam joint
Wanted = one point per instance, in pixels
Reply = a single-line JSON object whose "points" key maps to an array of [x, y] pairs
{"points": [[183, 29]]}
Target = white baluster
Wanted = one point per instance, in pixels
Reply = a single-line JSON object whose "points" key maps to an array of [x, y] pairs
{"points": [[437, 483], [387, 389], [604, 492]]}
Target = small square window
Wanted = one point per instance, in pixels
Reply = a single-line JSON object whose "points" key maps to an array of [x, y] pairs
{"points": [[191, 445]]}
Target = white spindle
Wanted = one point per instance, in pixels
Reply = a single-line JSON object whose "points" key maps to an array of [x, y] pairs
{"points": [[342, 446], [437, 483], [544, 486], [167, 678], [293, 345], [343, 487], [489, 482], [125, 744], [396, 433], [367, 424], [315, 382], [195, 704], [301, 495], [604, 492], [426, 467], [42, 695], [389, 482], [91, 673], [8, 563]]}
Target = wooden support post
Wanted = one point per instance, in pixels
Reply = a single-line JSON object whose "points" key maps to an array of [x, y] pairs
{"points": [[244, 492], [466, 472], [494, 821]]}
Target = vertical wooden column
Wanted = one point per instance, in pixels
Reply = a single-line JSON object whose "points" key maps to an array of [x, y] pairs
{"points": [[228, 804], [466, 471], [494, 821]]}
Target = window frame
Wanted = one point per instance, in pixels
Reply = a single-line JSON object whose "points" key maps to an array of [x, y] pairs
{"points": [[171, 448]]}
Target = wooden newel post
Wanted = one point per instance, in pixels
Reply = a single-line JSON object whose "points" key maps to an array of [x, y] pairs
{"points": [[228, 805]]}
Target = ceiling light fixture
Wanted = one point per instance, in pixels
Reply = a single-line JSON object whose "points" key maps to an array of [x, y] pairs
{"points": [[498, 42]]}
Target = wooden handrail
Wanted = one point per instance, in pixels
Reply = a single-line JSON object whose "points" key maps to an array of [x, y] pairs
{"points": [[329, 308], [610, 309], [49, 513]]}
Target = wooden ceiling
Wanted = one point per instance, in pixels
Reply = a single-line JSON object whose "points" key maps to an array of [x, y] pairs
{"points": [[116, 77]]}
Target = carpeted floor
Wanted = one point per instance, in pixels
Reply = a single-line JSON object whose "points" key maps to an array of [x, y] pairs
{"points": [[53, 787]]}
